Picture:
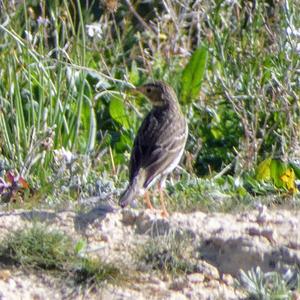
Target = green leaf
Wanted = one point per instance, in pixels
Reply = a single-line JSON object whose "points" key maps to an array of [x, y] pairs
{"points": [[193, 74], [263, 170], [134, 76], [80, 246], [117, 111], [216, 132], [282, 174], [277, 168], [296, 169], [89, 124]]}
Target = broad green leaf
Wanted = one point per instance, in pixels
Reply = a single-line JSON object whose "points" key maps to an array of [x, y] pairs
{"points": [[263, 170], [282, 175], [117, 112], [193, 74], [123, 143], [296, 169], [277, 168]]}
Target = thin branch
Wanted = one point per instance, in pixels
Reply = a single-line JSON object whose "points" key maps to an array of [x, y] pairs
{"points": [[135, 13]]}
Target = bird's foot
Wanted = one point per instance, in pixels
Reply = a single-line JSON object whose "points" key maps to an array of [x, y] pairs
{"points": [[149, 205], [164, 213], [147, 200]]}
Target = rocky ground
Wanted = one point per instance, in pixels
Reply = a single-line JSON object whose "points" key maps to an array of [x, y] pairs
{"points": [[224, 244]]}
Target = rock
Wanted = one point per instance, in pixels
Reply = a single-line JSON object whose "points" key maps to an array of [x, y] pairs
{"points": [[5, 275], [218, 245], [152, 223], [129, 216], [228, 279], [196, 278], [207, 269], [178, 284]]}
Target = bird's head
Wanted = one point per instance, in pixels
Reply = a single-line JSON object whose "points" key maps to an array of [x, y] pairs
{"points": [[159, 93]]}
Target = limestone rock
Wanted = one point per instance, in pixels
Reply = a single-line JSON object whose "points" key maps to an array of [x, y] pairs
{"points": [[222, 244]]}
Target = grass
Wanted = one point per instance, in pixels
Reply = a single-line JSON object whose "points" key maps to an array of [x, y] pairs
{"points": [[93, 271], [226, 194], [63, 86], [37, 248], [167, 254]]}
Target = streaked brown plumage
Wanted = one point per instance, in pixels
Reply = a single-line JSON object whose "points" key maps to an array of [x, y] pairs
{"points": [[159, 143]]}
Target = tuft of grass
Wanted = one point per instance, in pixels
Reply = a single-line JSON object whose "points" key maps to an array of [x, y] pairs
{"points": [[271, 285], [170, 253], [93, 271], [37, 248]]}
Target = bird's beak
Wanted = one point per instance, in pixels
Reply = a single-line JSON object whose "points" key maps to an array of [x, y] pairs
{"points": [[128, 88], [135, 91], [132, 90]]}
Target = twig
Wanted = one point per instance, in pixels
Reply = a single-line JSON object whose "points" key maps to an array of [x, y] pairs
{"points": [[135, 13], [227, 168]]}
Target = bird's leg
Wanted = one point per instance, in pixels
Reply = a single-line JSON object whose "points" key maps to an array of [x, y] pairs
{"points": [[147, 200], [164, 211]]}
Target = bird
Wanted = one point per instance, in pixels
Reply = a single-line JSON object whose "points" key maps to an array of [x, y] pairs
{"points": [[158, 146]]}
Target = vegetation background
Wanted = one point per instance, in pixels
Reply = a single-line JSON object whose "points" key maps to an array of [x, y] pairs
{"points": [[67, 123]]}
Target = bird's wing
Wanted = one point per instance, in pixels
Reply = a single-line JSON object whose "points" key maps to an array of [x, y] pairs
{"points": [[158, 143]]}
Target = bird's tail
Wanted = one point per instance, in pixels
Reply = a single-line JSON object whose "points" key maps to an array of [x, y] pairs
{"points": [[129, 194]]}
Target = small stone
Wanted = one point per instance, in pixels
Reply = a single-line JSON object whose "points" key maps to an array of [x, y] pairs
{"points": [[228, 279], [196, 278], [267, 233], [105, 237], [207, 269], [151, 222], [178, 284], [154, 280], [129, 216], [12, 283], [262, 216], [5, 275], [36, 296]]}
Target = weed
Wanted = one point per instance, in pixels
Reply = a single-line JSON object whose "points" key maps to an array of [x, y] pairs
{"points": [[169, 253], [271, 285], [93, 271], [37, 248]]}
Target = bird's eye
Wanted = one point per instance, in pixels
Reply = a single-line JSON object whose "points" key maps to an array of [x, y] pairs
{"points": [[148, 90]]}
